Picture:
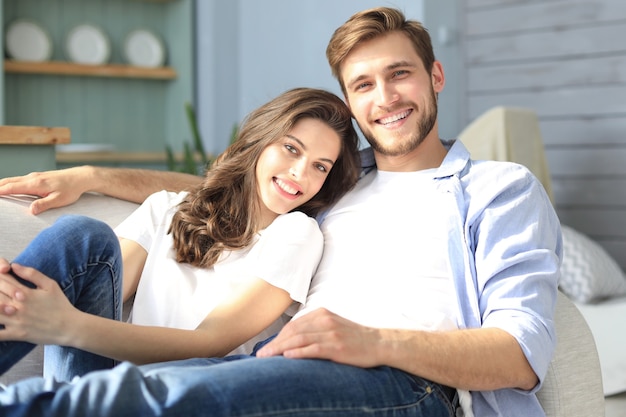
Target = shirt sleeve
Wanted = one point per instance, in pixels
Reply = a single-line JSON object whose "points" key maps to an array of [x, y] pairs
{"points": [[287, 254], [150, 218], [518, 248]]}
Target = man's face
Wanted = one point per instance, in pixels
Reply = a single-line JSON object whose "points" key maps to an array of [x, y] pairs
{"points": [[391, 95]]}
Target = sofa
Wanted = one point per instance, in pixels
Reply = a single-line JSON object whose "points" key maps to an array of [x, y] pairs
{"points": [[573, 387]]}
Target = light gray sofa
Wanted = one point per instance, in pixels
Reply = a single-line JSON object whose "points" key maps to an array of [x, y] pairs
{"points": [[573, 386]]}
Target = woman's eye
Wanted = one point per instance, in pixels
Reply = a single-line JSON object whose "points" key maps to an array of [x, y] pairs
{"points": [[291, 148], [322, 168]]}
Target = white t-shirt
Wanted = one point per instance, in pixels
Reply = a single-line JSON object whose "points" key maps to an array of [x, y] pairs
{"points": [[374, 275], [171, 294]]}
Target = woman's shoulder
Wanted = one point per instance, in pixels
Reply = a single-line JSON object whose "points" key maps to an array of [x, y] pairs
{"points": [[165, 197], [296, 224], [295, 218]]}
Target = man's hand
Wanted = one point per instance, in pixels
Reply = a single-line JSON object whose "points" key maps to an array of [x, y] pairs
{"points": [[56, 188], [325, 335]]}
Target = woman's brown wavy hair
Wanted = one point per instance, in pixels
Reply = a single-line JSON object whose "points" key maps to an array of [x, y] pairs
{"points": [[223, 212]]}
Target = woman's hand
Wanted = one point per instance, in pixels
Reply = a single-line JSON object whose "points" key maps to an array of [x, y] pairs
{"points": [[36, 315]]}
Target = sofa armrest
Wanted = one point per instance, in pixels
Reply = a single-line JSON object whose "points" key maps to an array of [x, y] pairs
{"points": [[573, 385]]}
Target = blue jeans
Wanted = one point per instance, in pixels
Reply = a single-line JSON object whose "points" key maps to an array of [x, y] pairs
{"points": [[84, 257], [232, 386]]}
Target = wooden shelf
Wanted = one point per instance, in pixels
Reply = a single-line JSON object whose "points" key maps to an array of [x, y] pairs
{"points": [[115, 156], [34, 135], [91, 157], [72, 69]]}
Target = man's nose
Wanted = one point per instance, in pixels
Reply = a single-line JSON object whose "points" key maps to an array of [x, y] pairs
{"points": [[386, 94]]}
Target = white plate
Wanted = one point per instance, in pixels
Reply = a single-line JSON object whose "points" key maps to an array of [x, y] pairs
{"points": [[88, 44], [25, 40], [85, 147], [144, 48]]}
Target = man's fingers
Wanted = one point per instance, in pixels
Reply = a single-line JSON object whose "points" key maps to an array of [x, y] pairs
{"points": [[42, 204]]}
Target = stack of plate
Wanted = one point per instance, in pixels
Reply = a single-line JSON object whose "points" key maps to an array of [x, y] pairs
{"points": [[25, 40], [84, 44], [144, 49], [88, 44]]}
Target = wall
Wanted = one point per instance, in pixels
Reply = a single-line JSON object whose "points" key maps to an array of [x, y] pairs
{"points": [[249, 51], [130, 114], [565, 59], [2, 78]]}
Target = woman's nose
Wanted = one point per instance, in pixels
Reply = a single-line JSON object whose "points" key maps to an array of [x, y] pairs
{"points": [[297, 169]]}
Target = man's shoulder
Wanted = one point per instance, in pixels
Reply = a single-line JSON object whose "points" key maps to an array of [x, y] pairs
{"points": [[488, 170], [486, 181]]}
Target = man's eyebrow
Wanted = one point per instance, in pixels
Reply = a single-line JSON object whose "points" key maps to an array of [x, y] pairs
{"points": [[389, 67], [355, 80], [401, 64], [330, 161]]}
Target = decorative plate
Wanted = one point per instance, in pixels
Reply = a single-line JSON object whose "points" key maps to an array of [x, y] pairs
{"points": [[25, 40], [88, 44], [144, 48]]}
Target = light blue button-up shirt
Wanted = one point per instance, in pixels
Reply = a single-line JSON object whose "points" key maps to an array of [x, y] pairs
{"points": [[505, 251]]}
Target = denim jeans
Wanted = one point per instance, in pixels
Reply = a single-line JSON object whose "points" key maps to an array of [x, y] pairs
{"points": [[84, 257], [233, 386]]}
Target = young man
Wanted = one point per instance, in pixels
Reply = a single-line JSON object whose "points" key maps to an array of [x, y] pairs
{"points": [[437, 272]]}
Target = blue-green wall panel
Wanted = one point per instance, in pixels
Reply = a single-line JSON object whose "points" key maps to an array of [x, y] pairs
{"points": [[22, 159], [130, 114], [1, 75]]}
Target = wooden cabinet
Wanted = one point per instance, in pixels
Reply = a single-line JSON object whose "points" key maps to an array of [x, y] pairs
{"points": [[132, 110], [24, 149]]}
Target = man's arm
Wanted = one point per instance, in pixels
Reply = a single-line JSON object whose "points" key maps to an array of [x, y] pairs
{"points": [[475, 359], [63, 187], [512, 337]]}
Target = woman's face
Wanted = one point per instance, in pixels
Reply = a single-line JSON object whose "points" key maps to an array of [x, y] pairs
{"points": [[292, 170]]}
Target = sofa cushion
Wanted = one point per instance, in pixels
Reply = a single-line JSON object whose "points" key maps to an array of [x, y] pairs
{"points": [[588, 272]]}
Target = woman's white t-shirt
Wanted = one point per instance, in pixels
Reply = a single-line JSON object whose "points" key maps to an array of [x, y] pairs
{"points": [[177, 295]]}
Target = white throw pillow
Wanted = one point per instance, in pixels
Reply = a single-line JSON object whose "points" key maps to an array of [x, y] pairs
{"points": [[588, 272]]}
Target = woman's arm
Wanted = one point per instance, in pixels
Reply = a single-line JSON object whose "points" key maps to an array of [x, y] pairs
{"points": [[45, 316], [63, 187], [133, 260], [248, 311]]}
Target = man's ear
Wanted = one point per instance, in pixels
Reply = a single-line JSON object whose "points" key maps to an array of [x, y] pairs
{"points": [[437, 76]]}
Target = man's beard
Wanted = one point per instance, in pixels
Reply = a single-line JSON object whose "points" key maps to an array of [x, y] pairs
{"points": [[401, 147]]}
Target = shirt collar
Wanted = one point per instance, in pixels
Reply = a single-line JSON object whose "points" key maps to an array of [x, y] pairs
{"points": [[456, 159]]}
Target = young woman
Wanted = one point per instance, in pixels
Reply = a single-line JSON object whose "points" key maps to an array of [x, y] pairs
{"points": [[209, 269]]}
